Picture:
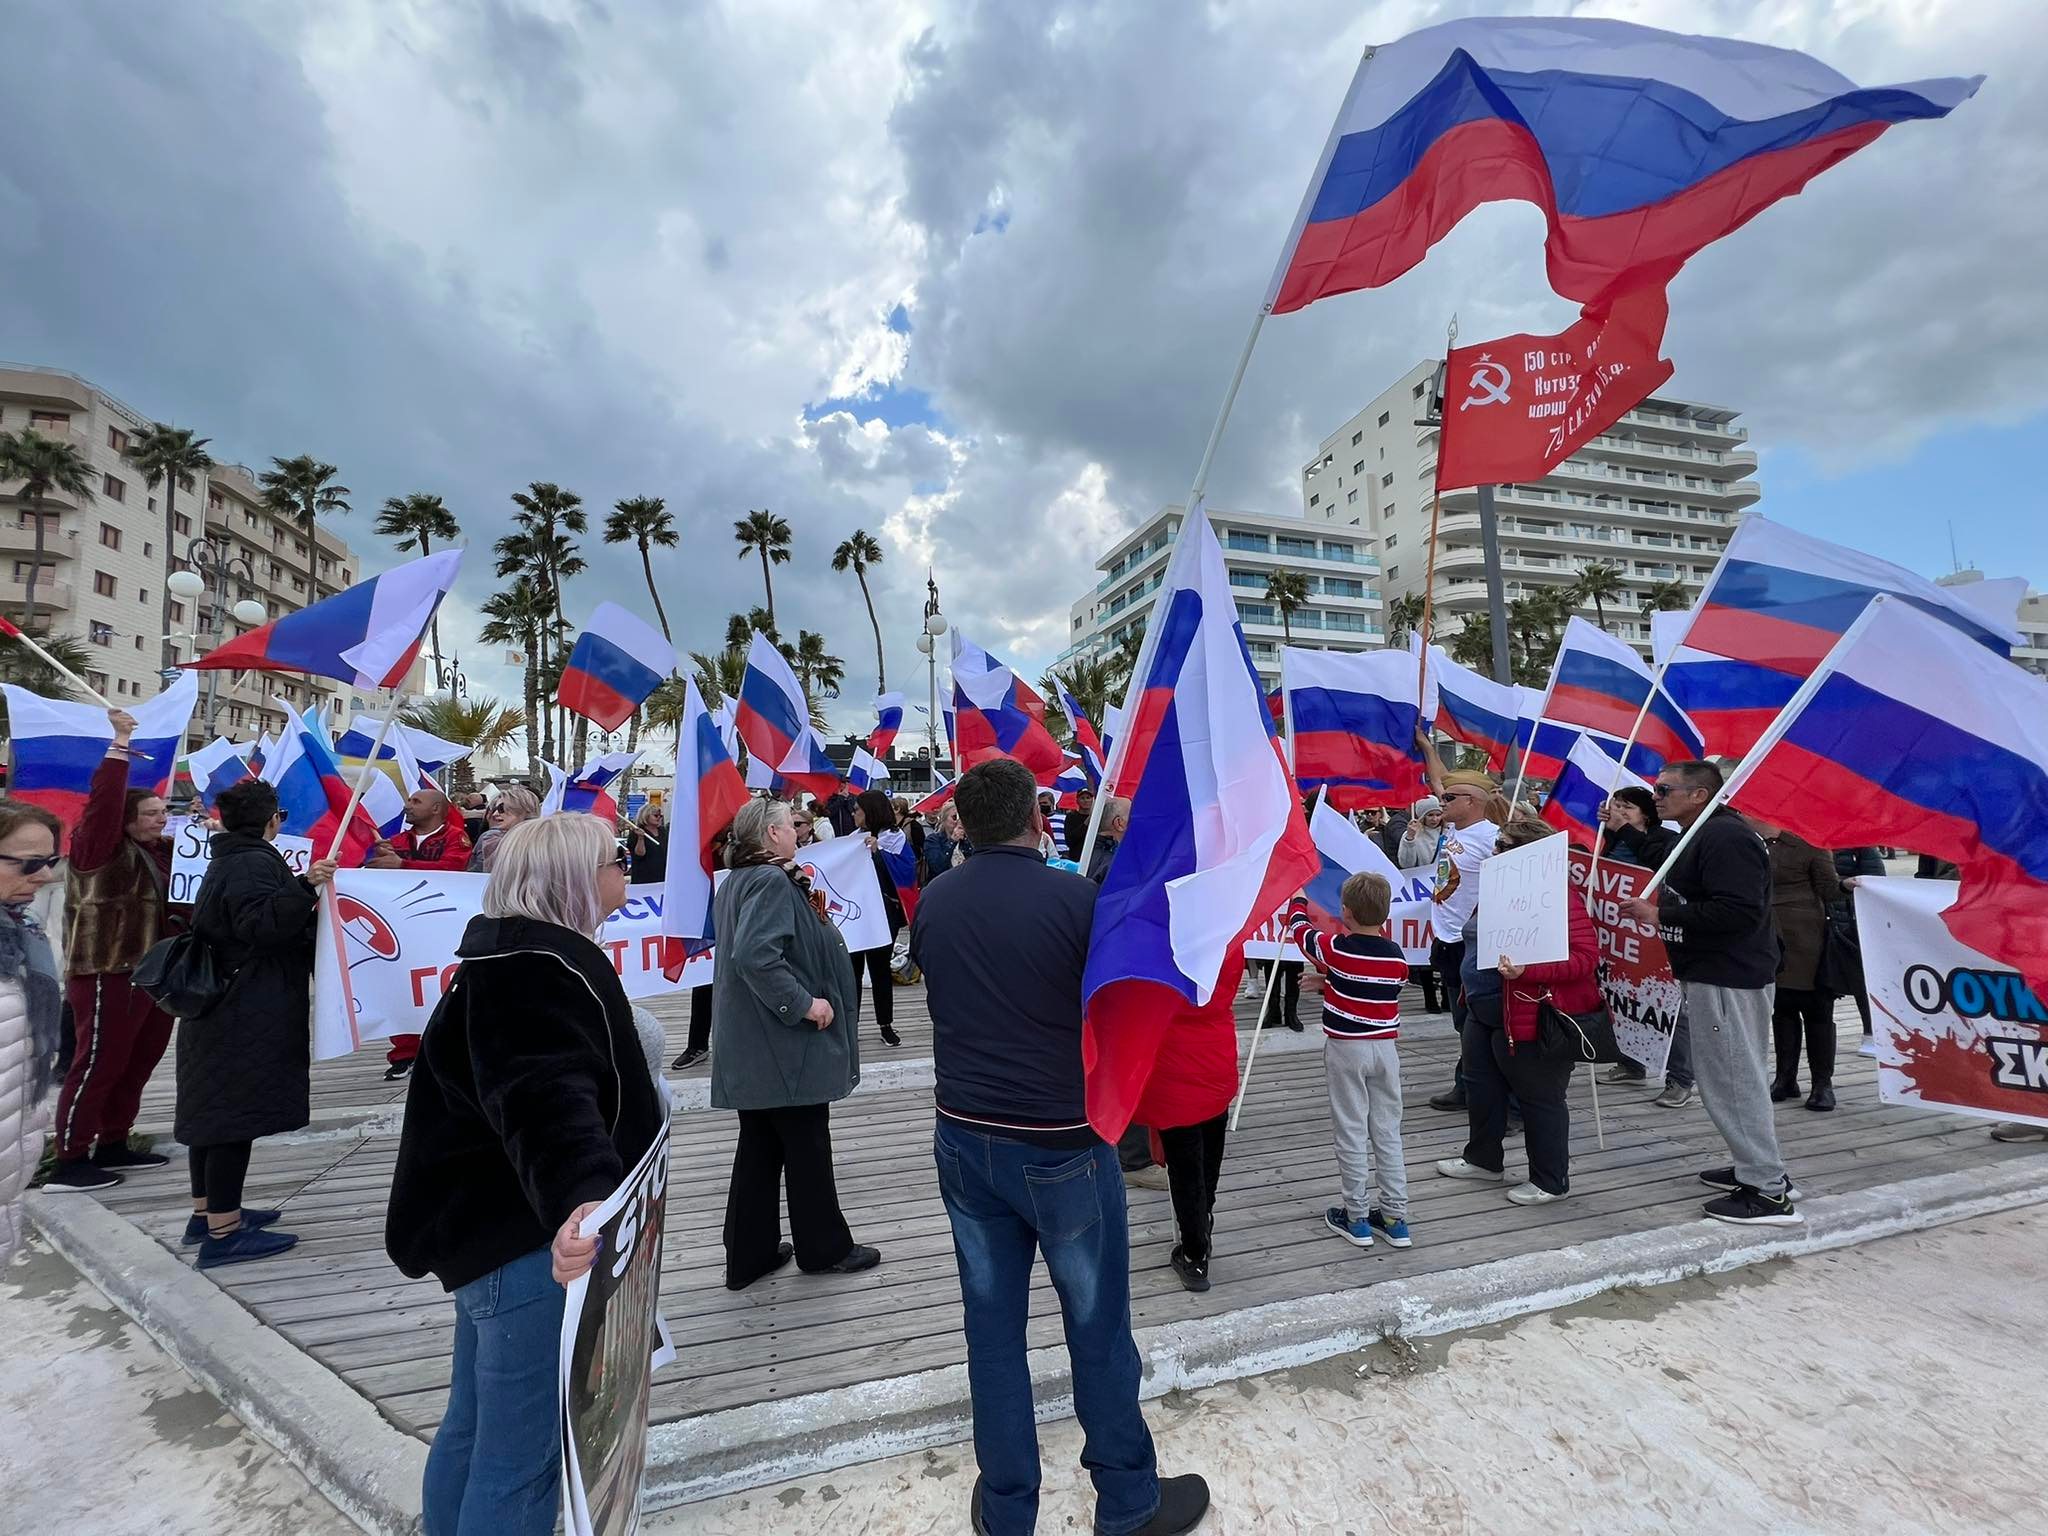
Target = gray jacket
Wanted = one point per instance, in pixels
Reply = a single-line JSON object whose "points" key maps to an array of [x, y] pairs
{"points": [[774, 956]]}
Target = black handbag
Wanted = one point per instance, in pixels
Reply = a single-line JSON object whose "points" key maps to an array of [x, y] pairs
{"points": [[1840, 971], [184, 973], [1587, 1037]]}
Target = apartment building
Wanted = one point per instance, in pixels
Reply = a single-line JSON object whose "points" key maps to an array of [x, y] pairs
{"points": [[103, 563], [2032, 651], [1654, 497], [1342, 612]]}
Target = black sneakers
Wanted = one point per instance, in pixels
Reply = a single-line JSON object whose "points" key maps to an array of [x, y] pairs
{"points": [[858, 1258], [1724, 1178], [1182, 1503], [1753, 1208], [689, 1058], [397, 1071], [121, 1155], [1193, 1276], [79, 1175]]}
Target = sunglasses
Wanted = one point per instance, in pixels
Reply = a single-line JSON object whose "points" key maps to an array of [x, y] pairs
{"points": [[622, 860], [32, 866]]}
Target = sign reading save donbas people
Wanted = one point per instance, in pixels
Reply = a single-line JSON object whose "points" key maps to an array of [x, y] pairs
{"points": [[613, 1341]]}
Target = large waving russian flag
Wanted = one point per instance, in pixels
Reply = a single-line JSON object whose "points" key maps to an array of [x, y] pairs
{"points": [[1599, 683], [888, 721], [616, 662], [1589, 776], [942, 791], [866, 770], [709, 793], [1473, 709], [1354, 716], [774, 720], [313, 791], [1343, 851], [1216, 840], [215, 767], [1731, 702], [1640, 146], [367, 635], [1911, 733], [997, 714], [57, 745], [589, 789]]}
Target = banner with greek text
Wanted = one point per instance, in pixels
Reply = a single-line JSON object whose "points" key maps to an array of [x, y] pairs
{"points": [[387, 940], [1955, 1030], [1635, 972], [192, 856]]}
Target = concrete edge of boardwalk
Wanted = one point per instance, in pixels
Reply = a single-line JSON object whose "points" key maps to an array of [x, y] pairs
{"points": [[371, 1469]]}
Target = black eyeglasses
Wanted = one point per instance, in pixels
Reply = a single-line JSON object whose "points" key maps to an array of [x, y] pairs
{"points": [[32, 866], [623, 860]]}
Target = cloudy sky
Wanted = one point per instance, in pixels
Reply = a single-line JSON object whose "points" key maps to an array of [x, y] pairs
{"points": [[969, 276]]}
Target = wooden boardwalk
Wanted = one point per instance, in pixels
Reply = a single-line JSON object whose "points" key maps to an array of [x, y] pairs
{"points": [[337, 1297]]}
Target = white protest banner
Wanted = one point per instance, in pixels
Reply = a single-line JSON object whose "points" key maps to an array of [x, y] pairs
{"points": [[1523, 893], [1407, 925], [613, 1341], [1643, 997], [192, 854], [1955, 1030], [387, 940]]}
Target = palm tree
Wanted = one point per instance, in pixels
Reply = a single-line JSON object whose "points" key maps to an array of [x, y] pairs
{"points": [[645, 521], [769, 535], [1472, 645], [300, 490], [816, 668], [415, 521], [1404, 613], [1096, 682], [25, 669], [1665, 597], [856, 554], [514, 617], [173, 456], [479, 722], [1287, 591], [541, 546], [718, 678], [1596, 584], [42, 465]]}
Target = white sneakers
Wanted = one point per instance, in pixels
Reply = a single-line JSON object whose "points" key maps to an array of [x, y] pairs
{"points": [[1529, 1194], [1458, 1168]]}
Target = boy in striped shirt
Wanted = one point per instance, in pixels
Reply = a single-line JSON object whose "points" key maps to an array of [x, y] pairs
{"points": [[1363, 973]]}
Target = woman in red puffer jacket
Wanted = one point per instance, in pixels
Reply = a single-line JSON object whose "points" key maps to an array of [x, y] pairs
{"points": [[1186, 1102], [1503, 1055]]}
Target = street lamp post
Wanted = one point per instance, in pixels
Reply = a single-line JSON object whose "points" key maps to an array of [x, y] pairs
{"points": [[211, 564], [451, 676], [927, 645]]}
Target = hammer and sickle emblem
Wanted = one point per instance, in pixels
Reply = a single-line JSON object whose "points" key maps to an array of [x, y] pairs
{"points": [[1490, 382]]}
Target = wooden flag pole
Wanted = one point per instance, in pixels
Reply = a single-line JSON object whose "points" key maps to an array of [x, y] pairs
{"points": [[12, 633], [362, 785]]}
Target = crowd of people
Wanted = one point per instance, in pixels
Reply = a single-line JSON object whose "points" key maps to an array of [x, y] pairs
{"points": [[532, 1090]]}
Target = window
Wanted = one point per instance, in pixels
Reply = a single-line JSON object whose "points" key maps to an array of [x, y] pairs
{"points": [[1335, 551], [1386, 480], [22, 568], [234, 714], [1418, 390], [98, 681], [1393, 539], [1343, 586], [1316, 500], [1393, 573], [117, 440], [1358, 468], [1384, 415], [100, 634], [1255, 579], [1255, 613], [182, 523], [1352, 623], [103, 584], [1351, 497], [148, 548], [1383, 454], [1355, 438], [50, 421], [142, 594], [1300, 548], [138, 642], [1255, 543], [112, 489], [110, 536]]}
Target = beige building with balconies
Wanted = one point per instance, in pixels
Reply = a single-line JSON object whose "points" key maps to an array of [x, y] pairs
{"points": [[1655, 497], [103, 561]]}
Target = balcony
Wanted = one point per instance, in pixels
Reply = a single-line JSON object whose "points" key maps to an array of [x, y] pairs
{"points": [[58, 543], [51, 596]]}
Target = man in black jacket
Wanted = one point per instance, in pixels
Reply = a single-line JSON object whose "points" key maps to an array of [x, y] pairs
{"points": [[1714, 914], [1002, 941]]}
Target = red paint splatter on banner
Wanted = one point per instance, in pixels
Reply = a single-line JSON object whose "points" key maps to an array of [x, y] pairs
{"points": [[1946, 1069]]}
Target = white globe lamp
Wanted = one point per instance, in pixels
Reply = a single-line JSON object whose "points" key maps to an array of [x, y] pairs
{"points": [[249, 611], [934, 624], [186, 584], [924, 645]]}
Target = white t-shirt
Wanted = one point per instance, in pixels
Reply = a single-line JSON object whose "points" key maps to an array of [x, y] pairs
{"points": [[1456, 889]]}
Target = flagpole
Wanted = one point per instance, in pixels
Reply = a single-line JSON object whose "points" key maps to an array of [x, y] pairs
{"points": [[1542, 711], [362, 784], [1613, 783], [1770, 738], [58, 667], [1258, 1029]]}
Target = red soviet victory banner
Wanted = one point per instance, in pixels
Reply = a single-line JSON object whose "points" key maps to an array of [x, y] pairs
{"points": [[1516, 408]]}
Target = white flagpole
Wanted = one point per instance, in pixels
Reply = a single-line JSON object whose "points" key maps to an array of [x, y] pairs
{"points": [[1542, 711], [369, 767], [58, 667], [1244, 1080]]}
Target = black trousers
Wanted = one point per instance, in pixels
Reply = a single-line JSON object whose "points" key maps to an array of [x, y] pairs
{"points": [[792, 1145], [1797, 1012], [1425, 977], [876, 963], [1134, 1148], [700, 1019], [1538, 1083], [218, 1172], [1194, 1161], [1287, 990], [1448, 961]]}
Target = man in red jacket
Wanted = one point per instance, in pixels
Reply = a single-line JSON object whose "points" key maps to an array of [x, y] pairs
{"points": [[434, 838]]}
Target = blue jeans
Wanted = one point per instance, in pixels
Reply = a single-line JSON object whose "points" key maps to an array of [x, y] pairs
{"points": [[1003, 1197], [495, 1468]]}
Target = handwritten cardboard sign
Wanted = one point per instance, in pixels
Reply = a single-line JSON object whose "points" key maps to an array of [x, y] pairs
{"points": [[1522, 895]]}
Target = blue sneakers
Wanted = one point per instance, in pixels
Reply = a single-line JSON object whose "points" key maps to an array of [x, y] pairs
{"points": [[1395, 1232], [242, 1245], [252, 1220], [1357, 1233]]}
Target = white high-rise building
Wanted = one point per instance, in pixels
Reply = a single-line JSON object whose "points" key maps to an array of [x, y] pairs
{"points": [[1654, 498], [2032, 651], [1341, 611]]}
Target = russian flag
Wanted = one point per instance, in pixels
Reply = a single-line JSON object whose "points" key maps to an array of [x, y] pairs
{"points": [[1779, 601], [899, 857], [942, 791], [699, 815], [57, 745], [217, 767], [392, 778], [866, 770], [1640, 146], [1732, 702], [1344, 851], [589, 790], [1588, 777], [1085, 739], [1548, 747], [774, 720], [888, 721], [1473, 709], [1216, 841], [367, 635], [617, 661], [1354, 716], [1599, 683], [1069, 783], [1914, 734], [265, 748], [313, 791], [996, 714]]}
